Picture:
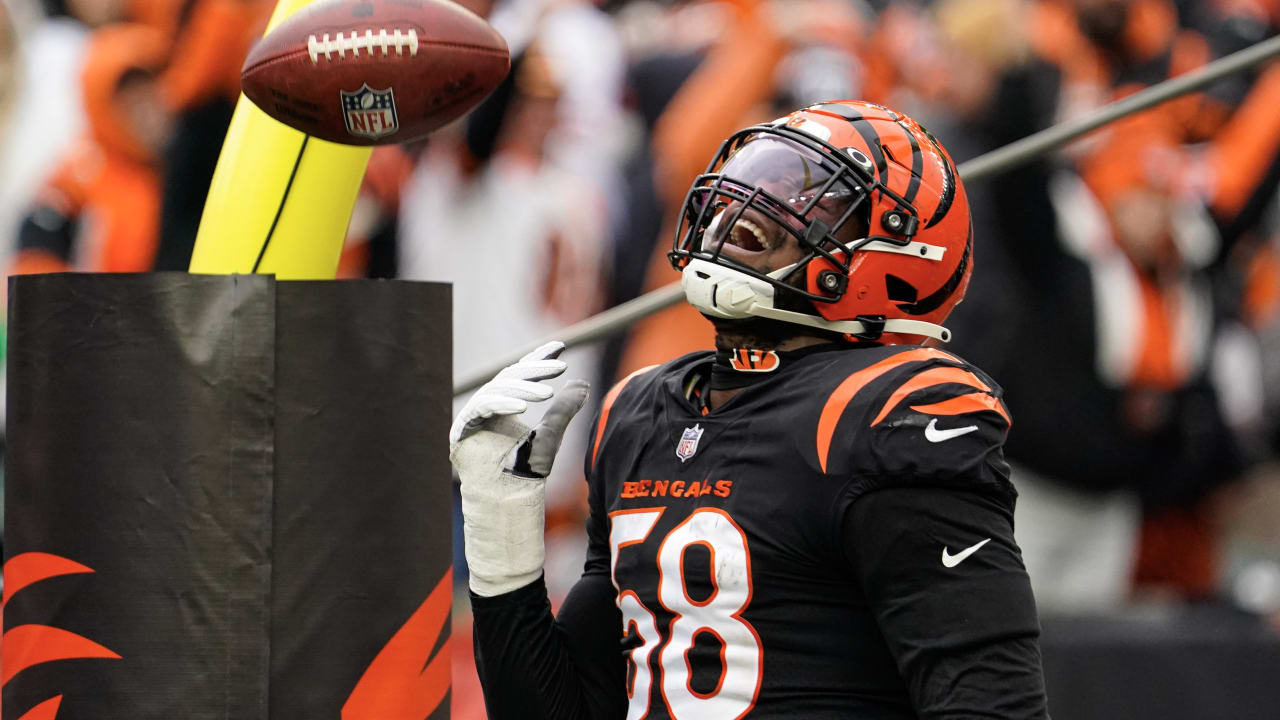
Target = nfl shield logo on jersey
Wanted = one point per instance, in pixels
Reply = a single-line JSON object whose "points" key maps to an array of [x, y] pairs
{"points": [[688, 444], [370, 113]]}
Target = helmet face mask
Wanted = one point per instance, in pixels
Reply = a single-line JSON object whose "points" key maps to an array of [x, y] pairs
{"points": [[769, 184], [822, 210]]}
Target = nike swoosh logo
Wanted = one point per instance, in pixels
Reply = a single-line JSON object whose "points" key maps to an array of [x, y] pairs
{"points": [[933, 434], [949, 560]]}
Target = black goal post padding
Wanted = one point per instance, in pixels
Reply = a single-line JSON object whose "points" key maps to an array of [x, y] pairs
{"points": [[226, 497]]}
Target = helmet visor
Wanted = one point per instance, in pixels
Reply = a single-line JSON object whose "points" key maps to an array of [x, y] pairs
{"points": [[795, 187]]}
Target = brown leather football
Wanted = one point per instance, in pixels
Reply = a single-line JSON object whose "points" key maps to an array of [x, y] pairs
{"points": [[375, 72]]}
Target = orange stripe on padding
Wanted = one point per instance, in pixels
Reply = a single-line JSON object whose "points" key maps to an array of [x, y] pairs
{"points": [[608, 405], [407, 680], [47, 710], [30, 645], [929, 378], [844, 392], [973, 402], [32, 567]]}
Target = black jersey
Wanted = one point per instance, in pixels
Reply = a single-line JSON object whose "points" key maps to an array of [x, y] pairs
{"points": [[835, 541]]}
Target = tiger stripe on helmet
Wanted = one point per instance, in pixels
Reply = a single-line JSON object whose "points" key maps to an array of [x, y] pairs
{"points": [[934, 300], [948, 180], [917, 158], [865, 129], [874, 143], [917, 164]]}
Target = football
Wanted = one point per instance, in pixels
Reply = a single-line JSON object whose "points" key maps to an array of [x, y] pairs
{"points": [[375, 72]]}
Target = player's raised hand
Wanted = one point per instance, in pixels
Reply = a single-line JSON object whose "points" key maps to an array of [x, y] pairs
{"points": [[502, 495], [511, 390]]}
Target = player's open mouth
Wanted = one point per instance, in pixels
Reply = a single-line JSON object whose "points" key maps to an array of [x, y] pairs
{"points": [[752, 233], [749, 236]]}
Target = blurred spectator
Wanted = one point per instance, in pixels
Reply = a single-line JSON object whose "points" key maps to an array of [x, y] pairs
{"points": [[8, 64], [96, 13], [202, 84], [1261, 312], [1229, 26], [516, 233], [1106, 49], [511, 209], [45, 111], [1123, 319], [580, 47], [100, 209], [370, 248]]}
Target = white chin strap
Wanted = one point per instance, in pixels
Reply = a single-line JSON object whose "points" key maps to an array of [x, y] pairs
{"points": [[723, 292]]}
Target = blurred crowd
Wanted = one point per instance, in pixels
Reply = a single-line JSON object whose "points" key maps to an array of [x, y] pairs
{"points": [[1126, 291]]}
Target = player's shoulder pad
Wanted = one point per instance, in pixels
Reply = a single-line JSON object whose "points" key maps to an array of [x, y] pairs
{"points": [[633, 399], [915, 413]]}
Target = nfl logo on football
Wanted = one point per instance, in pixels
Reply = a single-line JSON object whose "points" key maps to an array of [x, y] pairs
{"points": [[688, 444], [370, 113]]}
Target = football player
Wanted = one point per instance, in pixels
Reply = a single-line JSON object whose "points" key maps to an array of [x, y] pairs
{"points": [[814, 520]]}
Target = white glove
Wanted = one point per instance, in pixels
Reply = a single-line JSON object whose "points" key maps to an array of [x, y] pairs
{"points": [[502, 497]]}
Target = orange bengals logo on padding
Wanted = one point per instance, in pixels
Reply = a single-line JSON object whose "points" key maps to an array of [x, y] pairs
{"points": [[405, 681], [26, 646], [744, 360]]}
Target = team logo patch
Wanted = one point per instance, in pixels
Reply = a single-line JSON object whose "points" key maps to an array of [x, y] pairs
{"points": [[33, 644], [688, 444], [370, 113], [755, 360]]}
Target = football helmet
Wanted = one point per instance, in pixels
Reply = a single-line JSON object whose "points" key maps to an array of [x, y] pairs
{"points": [[872, 200]]}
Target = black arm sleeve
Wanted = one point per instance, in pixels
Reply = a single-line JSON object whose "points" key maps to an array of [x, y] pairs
{"points": [[965, 637], [533, 666]]}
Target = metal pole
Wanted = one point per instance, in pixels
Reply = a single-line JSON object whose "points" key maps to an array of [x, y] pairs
{"points": [[1000, 160], [595, 327]]}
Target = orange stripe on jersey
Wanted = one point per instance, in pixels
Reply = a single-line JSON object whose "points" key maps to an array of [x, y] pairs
{"points": [[845, 391], [973, 402], [929, 378], [607, 405]]}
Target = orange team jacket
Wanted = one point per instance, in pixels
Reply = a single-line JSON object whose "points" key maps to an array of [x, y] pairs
{"points": [[100, 209]]}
